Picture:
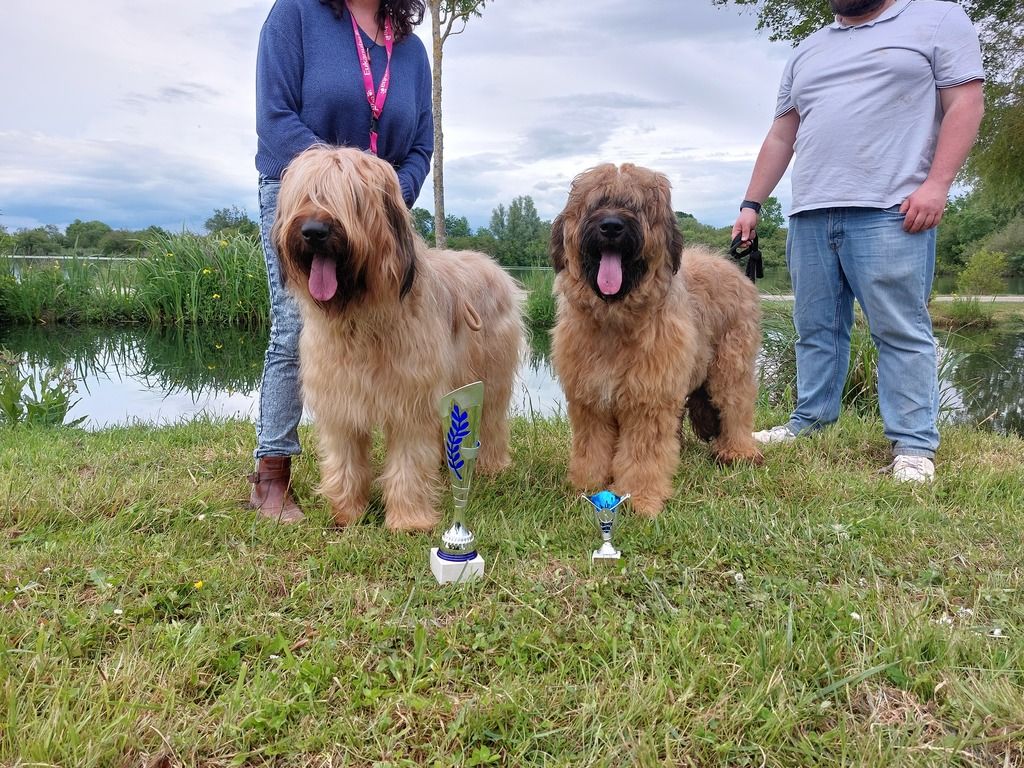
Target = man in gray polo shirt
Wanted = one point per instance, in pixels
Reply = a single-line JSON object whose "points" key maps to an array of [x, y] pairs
{"points": [[881, 109]]}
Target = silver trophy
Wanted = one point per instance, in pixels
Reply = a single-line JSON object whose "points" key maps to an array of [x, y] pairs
{"points": [[606, 511], [456, 559]]}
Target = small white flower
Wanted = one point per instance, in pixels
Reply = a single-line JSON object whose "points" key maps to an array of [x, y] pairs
{"points": [[964, 613], [738, 577], [118, 612], [201, 517], [274, 656], [996, 632], [855, 616]]}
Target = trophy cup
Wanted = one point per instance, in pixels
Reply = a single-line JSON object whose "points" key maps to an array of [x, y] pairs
{"points": [[606, 510], [456, 559]]}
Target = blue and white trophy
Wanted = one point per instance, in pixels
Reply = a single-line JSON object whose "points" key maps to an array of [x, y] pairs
{"points": [[606, 511], [456, 559]]}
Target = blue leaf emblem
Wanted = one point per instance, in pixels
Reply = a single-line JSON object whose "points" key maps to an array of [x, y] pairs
{"points": [[453, 443]]}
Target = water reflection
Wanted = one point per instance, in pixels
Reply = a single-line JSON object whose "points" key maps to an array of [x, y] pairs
{"points": [[165, 376], [988, 373]]}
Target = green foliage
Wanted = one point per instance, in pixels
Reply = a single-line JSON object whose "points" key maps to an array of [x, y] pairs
{"points": [[42, 398], [966, 312], [226, 222], [1010, 240], [68, 291], [86, 236], [39, 241], [423, 220], [192, 279], [983, 274], [521, 237]]}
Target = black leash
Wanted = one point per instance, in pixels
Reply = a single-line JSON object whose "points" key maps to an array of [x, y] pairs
{"points": [[755, 265]]}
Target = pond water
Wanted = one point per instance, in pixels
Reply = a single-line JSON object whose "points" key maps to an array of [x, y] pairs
{"points": [[165, 376]]}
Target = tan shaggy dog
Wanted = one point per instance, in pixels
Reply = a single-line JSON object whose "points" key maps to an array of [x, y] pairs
{"points": [[389, 326], [645, 330]]}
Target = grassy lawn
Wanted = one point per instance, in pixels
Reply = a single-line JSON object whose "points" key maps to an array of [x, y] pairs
{"points": [[805, 613]]}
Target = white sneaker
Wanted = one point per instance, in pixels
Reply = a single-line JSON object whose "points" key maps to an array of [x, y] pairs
{"points": [[779, 434], [913, 469]]}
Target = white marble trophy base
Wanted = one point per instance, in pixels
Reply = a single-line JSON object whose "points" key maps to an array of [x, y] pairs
{"points": [[447, 572], [600, 556]]}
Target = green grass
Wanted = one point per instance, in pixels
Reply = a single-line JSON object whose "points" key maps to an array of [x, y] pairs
{"points": [[806, 613], [185, 280]]}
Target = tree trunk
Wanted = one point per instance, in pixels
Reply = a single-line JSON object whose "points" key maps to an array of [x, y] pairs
{"points": [[440, 236]]}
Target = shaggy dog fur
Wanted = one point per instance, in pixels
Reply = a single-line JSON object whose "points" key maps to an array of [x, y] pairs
{"points": [[389, 326], [646, 329]]}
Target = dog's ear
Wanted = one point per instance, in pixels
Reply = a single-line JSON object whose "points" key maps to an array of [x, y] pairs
{"points": [[675, 243], [405, 243], [557, 248]]}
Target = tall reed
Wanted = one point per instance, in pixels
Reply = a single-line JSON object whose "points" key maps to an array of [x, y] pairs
{"points": [[199, 280]]}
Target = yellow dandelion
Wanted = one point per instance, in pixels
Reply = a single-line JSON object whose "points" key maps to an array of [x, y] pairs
{"points": [[216, 296], [207, 270], [223, 242], [198, 584]]}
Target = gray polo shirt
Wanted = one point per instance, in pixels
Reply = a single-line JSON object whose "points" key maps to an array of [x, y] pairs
{"points": [[869, 104]]}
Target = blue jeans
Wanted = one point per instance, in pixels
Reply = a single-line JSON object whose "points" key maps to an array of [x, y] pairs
{"points": [[836, 255], [277, 427]]}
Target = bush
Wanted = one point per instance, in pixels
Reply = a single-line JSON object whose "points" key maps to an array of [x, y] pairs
{"points": [[983, 274]]}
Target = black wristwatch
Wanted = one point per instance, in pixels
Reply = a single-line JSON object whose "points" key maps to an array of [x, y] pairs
{"points": [[755, 207]]}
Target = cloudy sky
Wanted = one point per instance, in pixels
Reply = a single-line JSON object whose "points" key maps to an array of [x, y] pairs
{"points": [[137, 112]]}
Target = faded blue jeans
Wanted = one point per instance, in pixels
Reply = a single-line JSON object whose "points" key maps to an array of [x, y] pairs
{"points": [[836, 255], [277, 426]]}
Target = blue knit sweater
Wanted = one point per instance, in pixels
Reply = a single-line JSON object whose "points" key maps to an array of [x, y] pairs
{"points": [[309, 89]]}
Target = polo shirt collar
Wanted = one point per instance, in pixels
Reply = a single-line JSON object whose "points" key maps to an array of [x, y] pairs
{"points": [[892, 12]]}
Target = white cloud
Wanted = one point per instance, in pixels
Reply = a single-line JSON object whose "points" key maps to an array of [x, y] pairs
{"points": [[143, 113]]}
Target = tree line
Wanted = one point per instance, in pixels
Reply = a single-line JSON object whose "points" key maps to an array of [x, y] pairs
{"points": [[516, 235]]}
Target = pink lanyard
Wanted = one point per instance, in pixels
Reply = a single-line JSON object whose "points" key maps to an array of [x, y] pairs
{"points": [[377, 100]]}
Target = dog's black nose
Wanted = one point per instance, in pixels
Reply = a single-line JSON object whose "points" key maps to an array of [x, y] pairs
{"points": [[612, 227], [314, 231]]}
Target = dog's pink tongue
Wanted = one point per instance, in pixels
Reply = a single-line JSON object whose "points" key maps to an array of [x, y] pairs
{"points": [[609, 274], [323, 279]]}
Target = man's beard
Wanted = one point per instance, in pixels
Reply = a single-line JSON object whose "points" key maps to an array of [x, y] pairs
{"points": [[854, 8]]}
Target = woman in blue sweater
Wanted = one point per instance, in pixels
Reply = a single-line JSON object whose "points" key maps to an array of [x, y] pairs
{"points": [[311, 88]]}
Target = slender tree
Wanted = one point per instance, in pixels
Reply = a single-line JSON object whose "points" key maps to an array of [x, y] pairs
{"points": [[447, 18]]}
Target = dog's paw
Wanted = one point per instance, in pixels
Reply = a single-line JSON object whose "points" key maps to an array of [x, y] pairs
{"points": [[645, 505], [748, 455], [344, 516], [410, 520], [586, 479], [493, 466]]}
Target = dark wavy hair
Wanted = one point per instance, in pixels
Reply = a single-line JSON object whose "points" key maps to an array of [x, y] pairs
{"points": [[405, 14]]}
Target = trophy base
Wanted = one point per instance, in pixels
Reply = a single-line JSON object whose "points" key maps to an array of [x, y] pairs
{"points": [[447, 572], [605, 557]]}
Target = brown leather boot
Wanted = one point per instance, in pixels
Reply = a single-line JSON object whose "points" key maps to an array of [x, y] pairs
{"points": [[271, 490]]}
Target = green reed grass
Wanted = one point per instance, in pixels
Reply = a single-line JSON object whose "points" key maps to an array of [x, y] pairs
{"points": [[804, 613], [69, 291], [203, 280], [540, 300]]}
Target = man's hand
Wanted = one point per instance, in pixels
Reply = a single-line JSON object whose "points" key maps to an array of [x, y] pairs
{"points": [[746, 226], [924, 207]]}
